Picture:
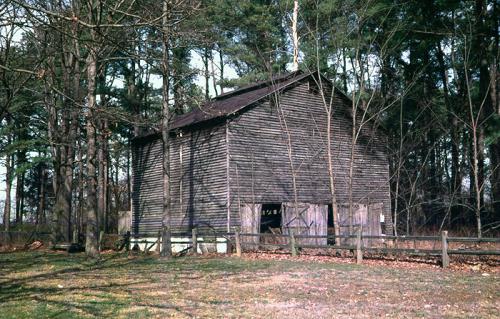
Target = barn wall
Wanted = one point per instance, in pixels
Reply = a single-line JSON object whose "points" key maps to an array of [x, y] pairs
{"points": [[147, 195], [260, 169], [198, 179], [197, 187]]}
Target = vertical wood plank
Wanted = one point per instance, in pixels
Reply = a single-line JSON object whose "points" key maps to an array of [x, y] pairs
{"points": [[293, 247], [194, 239], [250, 223], [228, 174], [359, 251], [238, 243], [445, 259]]}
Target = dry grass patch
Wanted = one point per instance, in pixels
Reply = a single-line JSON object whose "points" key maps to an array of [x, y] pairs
{"points": [[44, 284]]}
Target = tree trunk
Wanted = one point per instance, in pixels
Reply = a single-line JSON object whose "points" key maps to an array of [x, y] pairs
{"points": [[295, 37], [328, 106], [206, 57], [81, 188], [91, 244], [129, 180], [100, 179], [165, 126], [130, 79], [102, 156], [41, 195], [8, 187], [19, 196], [456, 179], [221, 61], [495, 108], [55, 131]]}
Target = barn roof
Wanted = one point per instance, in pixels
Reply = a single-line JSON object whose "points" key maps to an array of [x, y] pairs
{"points": [[234, 101]]}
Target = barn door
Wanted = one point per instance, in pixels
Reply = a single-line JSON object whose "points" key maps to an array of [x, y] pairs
{"points": [[318, 218], [365, 216], [359, 217], [294, 218], [374, 227], [250, 223], [306, 219]]}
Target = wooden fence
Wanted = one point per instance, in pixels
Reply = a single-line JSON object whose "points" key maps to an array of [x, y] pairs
{"points": [[441, 246], [437, 246]]}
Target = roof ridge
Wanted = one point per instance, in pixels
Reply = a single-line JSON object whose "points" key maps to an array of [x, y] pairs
{"points": [[257, 85]]}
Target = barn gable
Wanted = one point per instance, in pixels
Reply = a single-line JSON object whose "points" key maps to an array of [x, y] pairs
{"points": [[293, 124]]}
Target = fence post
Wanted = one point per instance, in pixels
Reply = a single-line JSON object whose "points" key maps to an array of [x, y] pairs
{"points": [[194, 239], [127, 241], [75, 237], [166, 249], [237, 239], [359, 251], [293, 248], [445, 259], [158, 243]]}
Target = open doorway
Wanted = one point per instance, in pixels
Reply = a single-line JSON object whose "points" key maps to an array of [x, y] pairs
{"points": [[271, 223], [270, 219], [331, 226]]}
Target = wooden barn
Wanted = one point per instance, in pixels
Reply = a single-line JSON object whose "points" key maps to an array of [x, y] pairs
{"points": [[256, 159]]}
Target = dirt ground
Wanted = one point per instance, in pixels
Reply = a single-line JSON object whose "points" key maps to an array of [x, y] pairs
{"points": [[44, 284]]}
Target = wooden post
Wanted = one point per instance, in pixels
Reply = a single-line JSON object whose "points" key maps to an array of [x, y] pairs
{"points": [[166, 239], [127, 241], [229, 244], [75, 237], [292, 244], [194, 239], [237, 239], [158, 242], [101, 238], [445, 259], [359, 251]]}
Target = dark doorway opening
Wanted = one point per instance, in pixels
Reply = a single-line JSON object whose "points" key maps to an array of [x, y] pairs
{"points": [[270, 219], [330, 229], [330, 216]]}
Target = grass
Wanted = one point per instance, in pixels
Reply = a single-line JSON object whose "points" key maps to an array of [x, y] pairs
{"points": [[56, 285]]}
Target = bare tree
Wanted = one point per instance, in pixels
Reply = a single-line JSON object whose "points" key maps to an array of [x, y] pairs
{"points": [[165, 123], [91, 243]]}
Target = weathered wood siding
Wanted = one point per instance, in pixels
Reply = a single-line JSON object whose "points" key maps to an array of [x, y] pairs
{"points": [[260, 169], [147, 195], [198, 187], [258, 165], [198, 179]]}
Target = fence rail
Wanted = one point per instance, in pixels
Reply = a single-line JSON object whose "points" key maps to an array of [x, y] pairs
{"points": [[357, 243], [290, 242]]}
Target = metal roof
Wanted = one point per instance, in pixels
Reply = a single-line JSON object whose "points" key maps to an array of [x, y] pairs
{"points": [[234, 101], [230, 103]]}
